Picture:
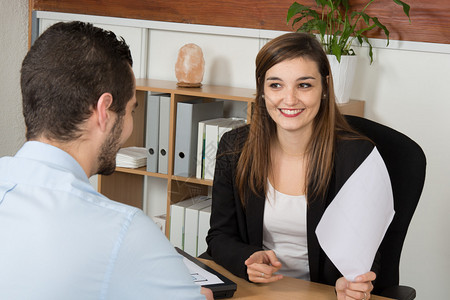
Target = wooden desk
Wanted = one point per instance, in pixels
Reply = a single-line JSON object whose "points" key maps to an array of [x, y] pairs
{"points": [[287, 288]]}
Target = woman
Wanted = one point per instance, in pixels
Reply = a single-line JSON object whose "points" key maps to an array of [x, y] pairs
{"points": [[275, 177]]}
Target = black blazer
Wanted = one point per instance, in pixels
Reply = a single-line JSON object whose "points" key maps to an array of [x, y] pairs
{"points": [[236, 233]]}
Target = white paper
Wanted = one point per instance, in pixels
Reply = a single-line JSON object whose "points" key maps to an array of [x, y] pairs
{"points": [[354, 224], [200, 275], [131, 157]]}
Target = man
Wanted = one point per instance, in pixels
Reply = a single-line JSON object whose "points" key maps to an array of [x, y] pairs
{"points": [[59, 238]]}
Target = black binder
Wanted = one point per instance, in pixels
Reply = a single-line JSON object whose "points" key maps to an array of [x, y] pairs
{"points": [[222, 290]]}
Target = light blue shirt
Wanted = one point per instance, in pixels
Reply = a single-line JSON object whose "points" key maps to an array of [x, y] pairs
{"points": [[60, 239]]}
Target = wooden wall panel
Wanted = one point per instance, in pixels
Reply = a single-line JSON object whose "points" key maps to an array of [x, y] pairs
{"points": [[430, 19]]}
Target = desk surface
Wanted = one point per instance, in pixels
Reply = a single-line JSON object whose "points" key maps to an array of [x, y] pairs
{"points": [[287, 288]]}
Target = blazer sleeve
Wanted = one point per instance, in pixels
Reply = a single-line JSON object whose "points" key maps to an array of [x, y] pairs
{"points": [[228, 242]]}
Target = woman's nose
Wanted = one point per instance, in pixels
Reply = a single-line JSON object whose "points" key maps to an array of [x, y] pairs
{"points": [[290, 97]]}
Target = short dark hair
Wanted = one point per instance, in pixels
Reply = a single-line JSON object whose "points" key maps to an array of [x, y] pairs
{"points": [[66, 71]]}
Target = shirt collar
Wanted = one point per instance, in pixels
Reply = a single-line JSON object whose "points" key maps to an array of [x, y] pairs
{"points": [[52, 155]]}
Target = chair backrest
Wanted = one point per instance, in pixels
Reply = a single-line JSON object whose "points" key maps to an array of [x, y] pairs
{"points": [[406, 164]]}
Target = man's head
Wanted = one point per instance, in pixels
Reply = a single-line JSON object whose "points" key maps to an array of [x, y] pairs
{"points": [[76, 75], [64, 74]]}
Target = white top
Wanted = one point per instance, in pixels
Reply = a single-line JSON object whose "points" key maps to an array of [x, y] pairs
{"points": [[60, 239], [284, 232]]}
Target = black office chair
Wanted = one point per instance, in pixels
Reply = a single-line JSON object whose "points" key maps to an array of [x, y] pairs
{"points": [[406, 164]]}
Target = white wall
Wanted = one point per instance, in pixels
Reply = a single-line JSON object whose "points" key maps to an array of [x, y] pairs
{"points": [[13, 47], [402, 88], [408, 90]]}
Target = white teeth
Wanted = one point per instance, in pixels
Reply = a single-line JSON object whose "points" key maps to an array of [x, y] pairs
{"points": [[291, 111]]}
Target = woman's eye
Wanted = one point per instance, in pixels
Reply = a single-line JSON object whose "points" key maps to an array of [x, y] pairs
{"points": [[304, 85], [274, 85]]}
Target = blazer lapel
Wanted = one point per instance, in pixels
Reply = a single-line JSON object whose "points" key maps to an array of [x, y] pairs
{"points": [[255, 217], [316, 207]]}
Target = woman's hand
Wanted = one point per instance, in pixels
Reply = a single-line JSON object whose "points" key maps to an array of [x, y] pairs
{"points": [[358, 290], [262, 265]]}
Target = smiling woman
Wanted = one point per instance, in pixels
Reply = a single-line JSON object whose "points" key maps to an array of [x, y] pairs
{"points": [[275, 177]]}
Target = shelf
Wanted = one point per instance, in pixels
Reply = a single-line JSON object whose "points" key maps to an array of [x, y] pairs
{"points": [[193, 180], [208, 91], [141, 171]]}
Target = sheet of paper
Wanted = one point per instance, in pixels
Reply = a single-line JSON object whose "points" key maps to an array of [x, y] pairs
{"points": [[200, 275], [354, 224]]}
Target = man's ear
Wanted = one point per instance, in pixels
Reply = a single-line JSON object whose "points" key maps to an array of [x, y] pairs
{"points": [[103, 114]]}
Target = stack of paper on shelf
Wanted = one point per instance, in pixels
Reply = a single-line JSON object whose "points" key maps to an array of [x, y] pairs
{"points": [[160, 221], [131, 157], [177, 217]]}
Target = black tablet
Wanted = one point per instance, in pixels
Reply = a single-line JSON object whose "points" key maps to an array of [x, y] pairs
{"points": [[220, 290]]}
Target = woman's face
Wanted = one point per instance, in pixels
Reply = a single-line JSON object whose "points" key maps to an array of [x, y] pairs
{"points": [[292, 92]]}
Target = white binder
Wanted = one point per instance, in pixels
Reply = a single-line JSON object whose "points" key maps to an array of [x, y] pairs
{"points": [[177, 213], [201, 137], [188, 115], [203, 226], [164, 124], [191, 226], [212, 137]]}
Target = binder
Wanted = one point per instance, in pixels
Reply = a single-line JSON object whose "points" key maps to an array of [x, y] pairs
{"points": [[203, 226], [152, 132], [177, 214], [212, 141], [229, 125], [191, 226], [201, 146], [164, 124], [188, 115]]}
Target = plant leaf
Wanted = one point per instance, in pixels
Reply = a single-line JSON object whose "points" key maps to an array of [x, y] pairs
{"points": [[345, 4], [336, 50], [386, 31], [365, 17], [370, 49], [304, 11], [309, 26], [405, 6]]}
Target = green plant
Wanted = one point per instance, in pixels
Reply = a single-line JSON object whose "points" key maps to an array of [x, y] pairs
{"points": [[337, 25]]}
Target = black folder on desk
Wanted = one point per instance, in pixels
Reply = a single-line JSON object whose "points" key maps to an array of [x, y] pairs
{"points": [[221, 290]]}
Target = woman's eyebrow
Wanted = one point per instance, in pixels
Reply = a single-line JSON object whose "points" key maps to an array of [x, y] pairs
{"points": [[298, 79]]}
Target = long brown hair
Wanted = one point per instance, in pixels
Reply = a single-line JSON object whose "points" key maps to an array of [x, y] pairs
{"points": [[329, 125]]}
